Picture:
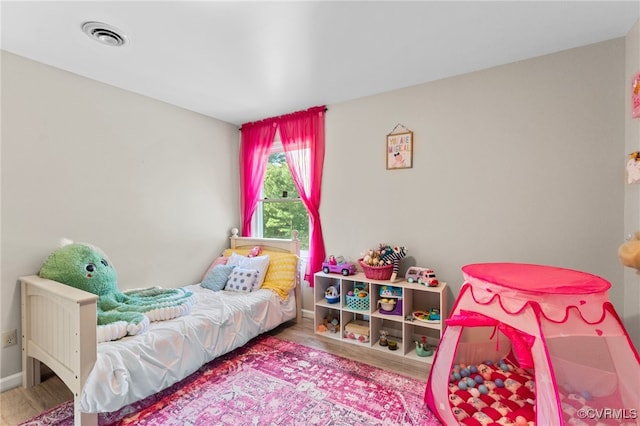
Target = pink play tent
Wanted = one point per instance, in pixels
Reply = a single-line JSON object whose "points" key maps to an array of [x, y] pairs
{"points": [[530, 344]]}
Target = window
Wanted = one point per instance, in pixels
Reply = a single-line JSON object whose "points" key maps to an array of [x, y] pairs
{"points": [[279, 209]]}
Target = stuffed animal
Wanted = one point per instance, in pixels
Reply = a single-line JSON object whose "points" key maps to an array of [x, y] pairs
{"points": [[371, 258], [629, 252], [392, 256], [120, 313], [256, 251]]}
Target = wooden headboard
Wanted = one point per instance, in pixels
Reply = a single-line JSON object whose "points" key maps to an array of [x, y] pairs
{"points": [[275, 244]]}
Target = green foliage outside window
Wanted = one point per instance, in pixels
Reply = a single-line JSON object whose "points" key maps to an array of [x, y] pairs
{"points": [[283, 214]]}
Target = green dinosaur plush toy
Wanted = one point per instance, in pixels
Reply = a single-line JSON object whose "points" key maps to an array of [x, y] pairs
{"points": [[120, 313]]}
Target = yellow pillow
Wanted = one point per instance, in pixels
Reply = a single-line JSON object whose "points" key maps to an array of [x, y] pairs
{"points": [[281, 274]]}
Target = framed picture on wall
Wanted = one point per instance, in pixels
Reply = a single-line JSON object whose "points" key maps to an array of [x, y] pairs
{"points": [[635, 96], [400, 150]]}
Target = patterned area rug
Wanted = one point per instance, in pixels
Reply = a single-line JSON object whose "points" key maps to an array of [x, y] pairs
{"points": [[273, 382]]}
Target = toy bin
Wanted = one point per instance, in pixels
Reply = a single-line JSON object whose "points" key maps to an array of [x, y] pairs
{"points": [[357, 330], [376, 272], [390, 302], [391, 309], [359, 300]]}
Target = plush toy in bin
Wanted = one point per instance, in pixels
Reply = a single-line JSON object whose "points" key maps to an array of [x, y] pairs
{"points": [[86, 267]]}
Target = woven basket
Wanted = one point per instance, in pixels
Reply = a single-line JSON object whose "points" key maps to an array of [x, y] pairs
{"points": [[376, 272], [358, 303]]}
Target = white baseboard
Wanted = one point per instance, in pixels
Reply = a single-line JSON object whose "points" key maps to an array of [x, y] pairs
{"points": [[10, 382], [306, 313]]}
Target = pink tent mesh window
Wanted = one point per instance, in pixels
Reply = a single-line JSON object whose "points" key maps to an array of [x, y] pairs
{"points": [[530, 344]]}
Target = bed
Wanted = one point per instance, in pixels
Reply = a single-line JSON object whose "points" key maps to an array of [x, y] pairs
{"points": [[59, 330]]}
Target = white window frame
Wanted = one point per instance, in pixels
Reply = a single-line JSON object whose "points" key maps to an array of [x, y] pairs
{"points": [[258, 217]]}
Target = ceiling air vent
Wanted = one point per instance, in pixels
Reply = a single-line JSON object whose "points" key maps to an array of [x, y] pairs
{"points": [[104, 33]]}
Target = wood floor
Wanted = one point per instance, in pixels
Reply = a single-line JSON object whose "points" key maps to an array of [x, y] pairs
{"points": [[19, 404]]}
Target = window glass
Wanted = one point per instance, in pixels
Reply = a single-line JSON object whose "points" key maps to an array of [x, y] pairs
{"points": [[280, 209]]}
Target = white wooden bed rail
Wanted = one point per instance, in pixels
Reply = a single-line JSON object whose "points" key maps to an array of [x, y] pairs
{"points": [[58, 329]]}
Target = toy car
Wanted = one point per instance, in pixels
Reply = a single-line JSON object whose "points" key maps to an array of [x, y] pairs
{"points": [[424, 276], [338, 267]]}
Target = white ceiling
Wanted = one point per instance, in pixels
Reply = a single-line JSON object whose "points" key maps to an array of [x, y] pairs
{"points": [[242, 61]]}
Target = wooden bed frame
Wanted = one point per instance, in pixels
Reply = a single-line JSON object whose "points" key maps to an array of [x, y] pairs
{"points": [[59, 325]]}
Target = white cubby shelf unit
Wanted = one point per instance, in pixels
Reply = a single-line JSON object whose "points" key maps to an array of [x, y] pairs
{"points": [[401, 327]]}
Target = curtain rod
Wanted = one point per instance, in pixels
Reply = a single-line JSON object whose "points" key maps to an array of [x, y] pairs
{"points": [[323, 107]]}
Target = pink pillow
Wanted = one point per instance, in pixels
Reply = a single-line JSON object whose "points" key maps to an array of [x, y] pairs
{"points": [[217, 261]]}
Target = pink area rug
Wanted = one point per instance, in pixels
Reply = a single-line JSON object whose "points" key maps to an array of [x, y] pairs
{"points": [[273, 382]]}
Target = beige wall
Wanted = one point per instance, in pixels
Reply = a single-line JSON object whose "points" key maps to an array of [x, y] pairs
{"points": [[518, 163], [632, 192], [153, 185], [523, 162]]}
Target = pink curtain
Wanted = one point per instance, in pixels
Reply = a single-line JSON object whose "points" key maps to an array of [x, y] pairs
{"points": [[302, 135], [256, 140]]}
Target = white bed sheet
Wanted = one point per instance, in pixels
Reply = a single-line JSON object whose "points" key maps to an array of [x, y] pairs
{"points": [[135, 367]]}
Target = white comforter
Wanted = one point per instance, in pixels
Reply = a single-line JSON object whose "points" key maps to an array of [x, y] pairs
{"points": [[133, 368]]}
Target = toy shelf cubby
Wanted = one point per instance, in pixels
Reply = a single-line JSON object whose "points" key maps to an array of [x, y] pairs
{"points": [[399, 323]]}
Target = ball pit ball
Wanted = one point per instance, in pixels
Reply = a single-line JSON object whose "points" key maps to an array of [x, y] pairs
{"points": [[490, 380], [586, 395]]}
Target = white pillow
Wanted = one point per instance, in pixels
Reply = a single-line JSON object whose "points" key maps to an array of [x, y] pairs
{"points": [[242, 280], [259, 263]]}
